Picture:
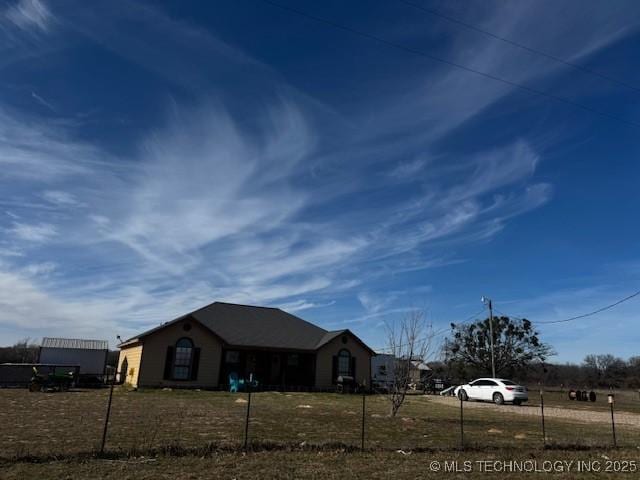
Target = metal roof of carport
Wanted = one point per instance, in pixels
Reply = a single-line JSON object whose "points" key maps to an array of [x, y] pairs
{"points": [[77, 343]]}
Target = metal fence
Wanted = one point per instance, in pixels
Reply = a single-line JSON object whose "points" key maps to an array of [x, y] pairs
{"points": [[118, 420]]}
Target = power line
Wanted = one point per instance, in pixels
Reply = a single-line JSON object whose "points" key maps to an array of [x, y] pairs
{"points": [[473, 318], [475, 315], [513, 43], [584, 315], [434, 334], [435, 58]]}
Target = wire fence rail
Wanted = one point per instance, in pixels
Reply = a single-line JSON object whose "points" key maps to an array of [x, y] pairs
{"points": [[119, 421]]}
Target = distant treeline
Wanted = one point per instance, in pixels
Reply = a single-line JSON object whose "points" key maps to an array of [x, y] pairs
{"points": [[23, 351], [596, 371]]}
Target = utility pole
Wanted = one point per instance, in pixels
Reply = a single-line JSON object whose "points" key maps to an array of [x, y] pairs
{"points": [[489, 303]]}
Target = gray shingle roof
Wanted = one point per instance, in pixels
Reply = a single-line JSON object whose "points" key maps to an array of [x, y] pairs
{"points": [[49, 342], [328, 337], [251, 326]]}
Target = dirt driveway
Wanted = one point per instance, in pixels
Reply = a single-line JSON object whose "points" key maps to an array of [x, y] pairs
{"points": [[622, 418]]}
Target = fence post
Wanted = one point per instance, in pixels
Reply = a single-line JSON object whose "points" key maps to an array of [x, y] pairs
{"points": [[106, 419], [364, 396], [461, 424], [246, 422], [610, 399], [544, 432]]}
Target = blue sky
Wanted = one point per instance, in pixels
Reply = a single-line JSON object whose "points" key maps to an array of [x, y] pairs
{"points": [[157, 157]]}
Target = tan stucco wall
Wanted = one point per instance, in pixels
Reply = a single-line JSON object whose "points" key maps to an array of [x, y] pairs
{"points": [[324, 361], [133, 355], [155, 352]]}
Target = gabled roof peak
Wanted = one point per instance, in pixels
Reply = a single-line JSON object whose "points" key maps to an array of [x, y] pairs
{"points": [[252, 326]]}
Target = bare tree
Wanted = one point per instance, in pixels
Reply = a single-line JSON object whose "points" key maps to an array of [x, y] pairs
{"points": [[408, 339]]}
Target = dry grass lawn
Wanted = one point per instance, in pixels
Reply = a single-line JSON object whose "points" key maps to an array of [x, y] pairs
{"points": [[322, 465], [40, 427]]}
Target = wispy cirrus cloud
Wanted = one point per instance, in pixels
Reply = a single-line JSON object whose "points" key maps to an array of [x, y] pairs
{"points": [[37, 233], [202, 170], [408, 170], [217, 203], [42, 101], [10, 252], [40, 269], [436, 104], [302, 304], [58, 197], [267, 202], [375, 302], [29, 15], [33, 151]]}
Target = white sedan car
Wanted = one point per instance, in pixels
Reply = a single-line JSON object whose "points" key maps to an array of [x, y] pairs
{"points": [[496, 390]]}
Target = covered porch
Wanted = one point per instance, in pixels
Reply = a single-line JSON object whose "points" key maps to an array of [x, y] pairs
{"points": [[273, 369]]}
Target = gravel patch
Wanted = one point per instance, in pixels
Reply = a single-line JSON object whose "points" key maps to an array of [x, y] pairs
{"points": [[622, 418]]}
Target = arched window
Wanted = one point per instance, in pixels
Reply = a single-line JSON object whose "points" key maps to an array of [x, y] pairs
{"points": [[183, 359], [344, 363]]}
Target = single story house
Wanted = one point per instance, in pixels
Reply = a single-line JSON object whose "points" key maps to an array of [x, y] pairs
{"points": [[420, 371], [204, 347], [89, 355]]}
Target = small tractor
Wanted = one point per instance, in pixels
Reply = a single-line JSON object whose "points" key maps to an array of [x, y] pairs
{"points": [[51, 382]]}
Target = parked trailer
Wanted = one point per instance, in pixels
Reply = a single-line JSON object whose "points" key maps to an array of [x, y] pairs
{"points": [[21, 374], [382, 371]]}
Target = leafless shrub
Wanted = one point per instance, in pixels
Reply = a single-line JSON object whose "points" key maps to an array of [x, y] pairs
{"points": [[408, 339]]}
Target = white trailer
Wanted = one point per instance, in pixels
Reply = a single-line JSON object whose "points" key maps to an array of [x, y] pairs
{"points": [[383, 368], [382, 371]]}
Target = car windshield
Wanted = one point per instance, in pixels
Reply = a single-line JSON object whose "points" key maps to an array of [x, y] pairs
{"points": [[508, 382]]}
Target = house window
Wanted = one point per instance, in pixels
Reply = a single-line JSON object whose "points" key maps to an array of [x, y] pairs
{"points": [[344, 363], [183, 359], [292, 360]]}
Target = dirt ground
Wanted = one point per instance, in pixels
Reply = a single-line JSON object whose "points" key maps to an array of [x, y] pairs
{"points": [[565, 413]]}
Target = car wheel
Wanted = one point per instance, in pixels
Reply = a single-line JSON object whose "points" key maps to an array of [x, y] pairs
{"points": [[462, 395], [517, 402], [498, 399]]}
